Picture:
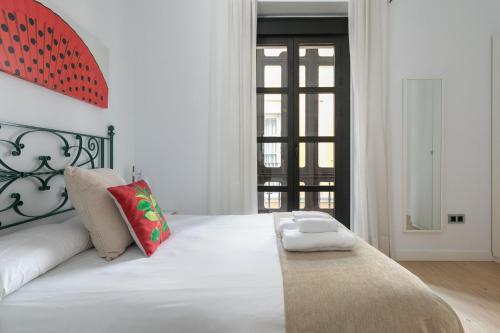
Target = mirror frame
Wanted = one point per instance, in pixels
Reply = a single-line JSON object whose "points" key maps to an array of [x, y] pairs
{"points": [[443, 155]]}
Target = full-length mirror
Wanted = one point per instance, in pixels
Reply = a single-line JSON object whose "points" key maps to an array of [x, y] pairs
{"points": [[423, 154]]}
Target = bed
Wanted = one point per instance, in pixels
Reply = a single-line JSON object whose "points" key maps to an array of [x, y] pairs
{"points": [[220, 274], [227, 274]]}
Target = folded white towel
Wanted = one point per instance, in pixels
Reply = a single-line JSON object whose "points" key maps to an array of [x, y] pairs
{"points": [[342, 240], [287, 223], [304, 213], [316, 224]]}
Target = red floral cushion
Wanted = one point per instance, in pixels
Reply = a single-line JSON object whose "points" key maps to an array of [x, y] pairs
{"points": [[142, 214]]}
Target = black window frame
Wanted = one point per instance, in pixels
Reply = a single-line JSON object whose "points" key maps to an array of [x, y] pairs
{"points": [[298, 31]]}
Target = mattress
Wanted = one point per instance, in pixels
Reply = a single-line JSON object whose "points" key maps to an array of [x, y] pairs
{"points": [[215, 274]]}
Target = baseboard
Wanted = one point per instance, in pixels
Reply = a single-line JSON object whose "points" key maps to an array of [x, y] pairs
{"points": [[443, 256], [496, 259]]}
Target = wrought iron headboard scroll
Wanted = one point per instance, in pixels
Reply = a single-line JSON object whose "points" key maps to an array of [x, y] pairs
{"points": [[77, 149]]}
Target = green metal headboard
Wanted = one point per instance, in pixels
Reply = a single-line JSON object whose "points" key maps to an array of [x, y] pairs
{"points": [[77, 149]]}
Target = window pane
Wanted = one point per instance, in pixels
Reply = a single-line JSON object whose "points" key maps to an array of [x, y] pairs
{"points": [[272, 159], [326, 76], [271, 115], [302, 76], [272, 76], [326, 115], [274, 51], [302, 155], [318, 62], [320, 201], [326, 51], [272, 202], [302, 197], [319, 163], [326, 199], [272, 155], [272, 66], [317, 115], [326, 155], [302, 115]]}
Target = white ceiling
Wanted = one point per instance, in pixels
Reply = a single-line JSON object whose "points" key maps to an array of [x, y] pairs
{"points": [[302, 8]]}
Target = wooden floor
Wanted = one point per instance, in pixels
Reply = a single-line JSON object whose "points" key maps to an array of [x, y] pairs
{"points": [[471, 288]]}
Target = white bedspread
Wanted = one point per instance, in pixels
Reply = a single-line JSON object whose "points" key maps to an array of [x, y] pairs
{"points": [[215, 274]]}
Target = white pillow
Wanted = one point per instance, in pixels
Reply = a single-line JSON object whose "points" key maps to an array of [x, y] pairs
{"points": [[317, 224], [299, 214], [27, 254]]}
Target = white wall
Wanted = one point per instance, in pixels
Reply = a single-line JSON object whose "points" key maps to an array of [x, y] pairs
{"points": [[449, 39], [26, 103], [171, 92], [159, 96]]}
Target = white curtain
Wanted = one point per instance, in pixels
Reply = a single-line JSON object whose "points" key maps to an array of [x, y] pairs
{"points": [[367, 39], [232, 152]]}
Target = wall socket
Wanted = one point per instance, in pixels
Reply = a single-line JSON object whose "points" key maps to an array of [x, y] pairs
{"points": [[456, 218]]}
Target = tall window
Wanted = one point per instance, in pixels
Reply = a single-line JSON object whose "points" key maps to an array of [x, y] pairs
{"points": [[303, 121]]}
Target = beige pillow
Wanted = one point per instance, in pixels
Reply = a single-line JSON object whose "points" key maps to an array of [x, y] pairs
{"points": [[88, 194]]}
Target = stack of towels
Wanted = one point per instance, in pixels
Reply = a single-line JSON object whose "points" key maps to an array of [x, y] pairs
{"points": [[308, 231]]}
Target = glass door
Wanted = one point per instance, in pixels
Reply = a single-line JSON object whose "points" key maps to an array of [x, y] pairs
{"points": [[303, 125]]}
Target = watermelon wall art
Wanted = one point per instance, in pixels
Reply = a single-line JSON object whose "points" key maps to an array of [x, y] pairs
{"points": [[37, 45]]}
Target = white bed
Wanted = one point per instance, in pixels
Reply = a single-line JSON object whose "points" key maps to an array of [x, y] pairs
{"points": [[215, 274]]}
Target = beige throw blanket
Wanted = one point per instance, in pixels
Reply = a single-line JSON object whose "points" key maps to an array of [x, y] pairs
{"points": [[358, 291]]}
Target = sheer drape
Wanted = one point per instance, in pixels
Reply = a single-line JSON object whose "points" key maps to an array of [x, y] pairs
{"points": [[232, 182], [367, 39]]}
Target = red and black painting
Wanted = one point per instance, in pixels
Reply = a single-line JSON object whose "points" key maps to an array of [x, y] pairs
{"points": [[37, 45]]}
